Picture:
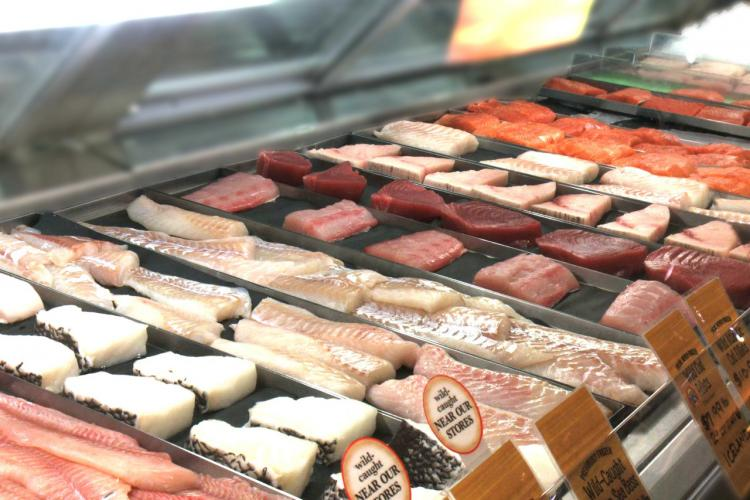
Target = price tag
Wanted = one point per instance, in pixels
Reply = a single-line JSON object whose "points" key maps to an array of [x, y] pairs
{"points": [[727, 337], [505, 474], [588, 452], [453, 414], [696, 376], [371, 469]]}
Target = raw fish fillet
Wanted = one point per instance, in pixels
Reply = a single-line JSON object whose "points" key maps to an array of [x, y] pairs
{"points": [[514, 111], [467, 121], [361, 366], [699, 193], [283, 166], [371, 339], [529, 277], [647, 147], [19, 300], [491, 222], [655, 137], [595, 251], [585, 209], [600, 151], [37, 359], [330, 290], [648, 224], [182, 223], [18, 257], [537, 169], [732, 205], [428, 250], [527, 134], [573, 86], [719, 160], [533, 111], [356, 154], [666, 164], [742, 252], [672, 198], [613, 135], [574, 126], [296, 365], [63, 249], [73, 280], [683, 269], [53, 478], [332, 223], [726, 115], [665, 62], [723, 214], [168, 318], [464, 181], [641, 305], [11, 490], [226, 488], [236, 192], [676, 106], [340, 181], [517, 196], [527, 396], [630, 95], [408, 200], [718, 68], [587, 169], [194, 299], [719, 148], [412, 168], [715, 237], [110, 268], [429, 136], [417, 293], [734, 180], [705, 94], [137, 467]]}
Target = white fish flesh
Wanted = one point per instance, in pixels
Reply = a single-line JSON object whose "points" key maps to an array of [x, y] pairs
{"points": [[429, 136], [194, 299], [673, 199], [217, 381], [282, 461], [587, 169], [557, 174], [143, 402], [517, 196], [99, 340], [723, 214], [110, 268], [732, 205], [715, 237], [295, 365], [334, 292], [699, 193], [413, 168], [168, 318], [39, 360], [74, 280], [63, 249], [18, 257], [648, 224], [331, 423], [18, 301], [356, 154], [182, 223], [364, 367], [416, 293], [585, 209]]}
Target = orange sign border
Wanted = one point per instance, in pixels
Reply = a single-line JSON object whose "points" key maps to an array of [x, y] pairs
{"points": [[384, 446], [435, 379]]}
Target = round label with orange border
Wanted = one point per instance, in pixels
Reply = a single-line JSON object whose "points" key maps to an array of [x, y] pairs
{"points": [[453, 414], [371, 470]]}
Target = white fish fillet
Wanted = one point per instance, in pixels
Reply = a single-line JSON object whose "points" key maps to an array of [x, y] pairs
{"points": [[723, 214], [699, 193], [63, 249], [18, 300], [333, 292], [588, 169], [168, 318], [74, 280], [517, 196], [194, 299], [295, 365], [413, 168], [715, 237], [676, 199], [110, 267], [557, 174], [464, 181], [416, 293], [429, 136], [364, 367], [356, 154], [20, 258], [182, 223], [732, 205], [40, 360], [648, 224]]}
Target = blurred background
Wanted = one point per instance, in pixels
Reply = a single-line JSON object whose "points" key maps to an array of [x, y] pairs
{"points": [[96, 99]]}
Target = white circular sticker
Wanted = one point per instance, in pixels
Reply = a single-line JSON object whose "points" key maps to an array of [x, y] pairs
{"points": [[453, 414], [373, 471]]}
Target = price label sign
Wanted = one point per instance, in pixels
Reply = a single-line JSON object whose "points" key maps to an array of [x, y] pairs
{"points": [[696, 376], [371, 469], [718, 320], [453, 414], [588, 452]]}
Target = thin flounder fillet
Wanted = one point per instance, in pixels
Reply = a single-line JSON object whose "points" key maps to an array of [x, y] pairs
{"points": [[195, 299], [364, 367], [73, 280], [182, 223], [520, 394], [295, 365], [168, 318], [429, 136], [371, 339]]}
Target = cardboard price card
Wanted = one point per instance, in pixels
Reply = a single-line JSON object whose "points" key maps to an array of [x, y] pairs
{"points": [[587, 450], [453, 414], [504, 475], [727, 336], [696, 376], [371, 469]]}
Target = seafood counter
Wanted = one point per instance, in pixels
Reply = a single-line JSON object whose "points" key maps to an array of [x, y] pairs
{"points": [[265, 315]]}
